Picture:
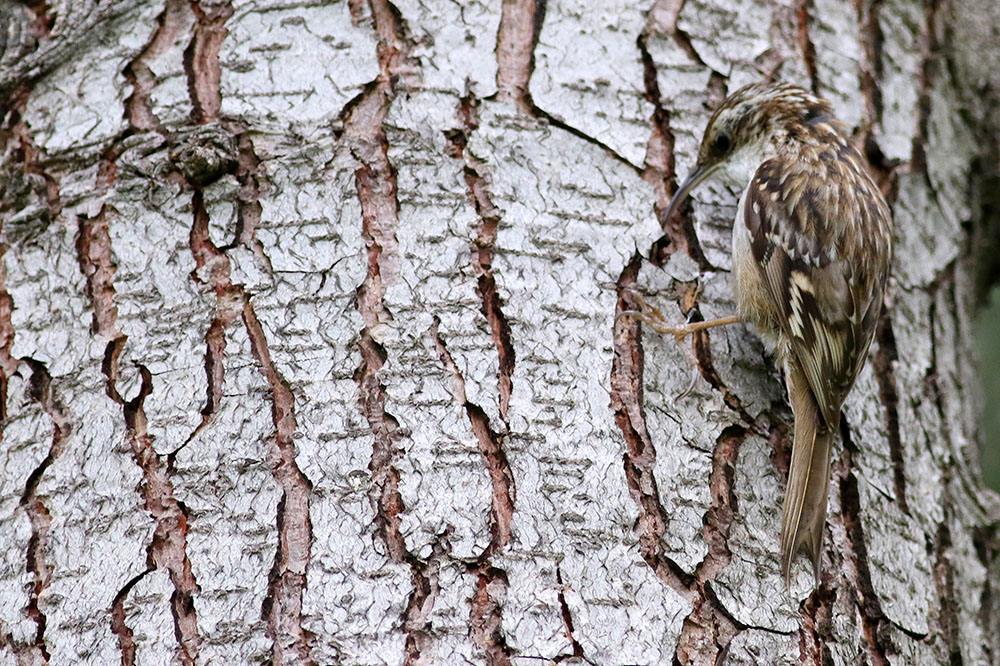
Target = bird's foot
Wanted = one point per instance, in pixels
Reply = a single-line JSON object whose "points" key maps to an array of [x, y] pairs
{"points": [[653, 318]]}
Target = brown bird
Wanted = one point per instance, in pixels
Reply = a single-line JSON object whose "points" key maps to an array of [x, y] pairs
{"points": [[812, 246]]}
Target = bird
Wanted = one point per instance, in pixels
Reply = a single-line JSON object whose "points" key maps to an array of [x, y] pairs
{"points": [[812, 250]]}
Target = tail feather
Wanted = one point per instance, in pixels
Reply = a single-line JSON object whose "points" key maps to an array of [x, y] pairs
{"points": [[803, 515]]}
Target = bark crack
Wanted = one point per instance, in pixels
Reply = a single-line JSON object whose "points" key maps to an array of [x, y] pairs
{"points": [[640, 455], [212, 267], [948, 619], [282, 607], [485, 616], [520, 25], [567, 617], [853, 547], [517, 36], [491, 447], [484, 247], [806, 45], [871, 41], [944, 582], [139, 105], [815, 629], [168, 548], [44, 18], [663, 18], [709, 628], [375, 181], [559, 123], [38, 566], [660, 169], [8, 364], [18, 148], [201, 59], [126, 637], [884, 364], [930, 54], [703, 353], [287, 579], [93, 248]]}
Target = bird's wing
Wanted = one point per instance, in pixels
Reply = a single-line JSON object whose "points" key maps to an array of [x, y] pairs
{"points": [[804, 239]]}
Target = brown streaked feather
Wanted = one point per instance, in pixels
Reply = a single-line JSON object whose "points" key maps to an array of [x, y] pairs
{"points": [[803, 513], [828, 308], [811, 263]]}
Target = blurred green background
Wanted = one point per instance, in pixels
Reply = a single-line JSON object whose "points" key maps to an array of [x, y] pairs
{"points": [[988, 339]]}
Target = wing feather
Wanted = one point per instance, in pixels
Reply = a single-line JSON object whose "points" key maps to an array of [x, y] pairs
{"points": [[828, 298]]}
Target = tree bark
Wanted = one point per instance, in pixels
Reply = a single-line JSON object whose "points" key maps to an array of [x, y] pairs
{"points": [[309, 350]]}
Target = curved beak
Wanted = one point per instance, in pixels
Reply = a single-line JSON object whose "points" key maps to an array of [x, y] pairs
{"points": [[694, 179]]}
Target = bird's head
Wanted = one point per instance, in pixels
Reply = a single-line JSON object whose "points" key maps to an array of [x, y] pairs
{"points": [[747, 129]]}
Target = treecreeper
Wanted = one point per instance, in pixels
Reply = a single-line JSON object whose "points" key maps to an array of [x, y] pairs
{"points": [[812, 248]]}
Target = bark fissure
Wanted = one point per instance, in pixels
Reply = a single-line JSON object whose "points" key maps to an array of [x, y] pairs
{"points": [[486, 615], [201, 59], [944, 582], [249, 174], [282, 606], [93, 248], [8, 364], [37, 564], [856, 556], [287, 578], [96, 260], [44, 18], [379, 205], [491, 448], [870, 39], [940, 548], [125, 635], [486, 611], [520, 25], [18, 148], [139, 105], [559, 123], [815, 627], [640, 456], [168, 549], [709, 628], [663, 17], [484, 248], [703, 353], [660, 171], [884, 364], [212, 267], [387, 501], [567, 617], [661, 168], [806, 45], [930, 56], [375, 181]]}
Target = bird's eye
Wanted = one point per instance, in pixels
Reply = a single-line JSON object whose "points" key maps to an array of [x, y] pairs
{"points": [[722, 143]]}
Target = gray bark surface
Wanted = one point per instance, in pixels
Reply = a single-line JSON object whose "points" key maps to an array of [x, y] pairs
{"points": [[309, 350]]}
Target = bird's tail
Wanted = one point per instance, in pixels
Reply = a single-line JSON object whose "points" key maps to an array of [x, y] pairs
{"points": [[804, 513]]}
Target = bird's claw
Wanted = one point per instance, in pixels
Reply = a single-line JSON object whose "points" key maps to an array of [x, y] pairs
{"points": [[653, 318]]}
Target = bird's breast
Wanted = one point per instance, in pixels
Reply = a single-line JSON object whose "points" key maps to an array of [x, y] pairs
{"points": [[752, 302]]}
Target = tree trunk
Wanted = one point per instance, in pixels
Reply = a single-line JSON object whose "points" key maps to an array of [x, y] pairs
{"points": [[309, 350]]}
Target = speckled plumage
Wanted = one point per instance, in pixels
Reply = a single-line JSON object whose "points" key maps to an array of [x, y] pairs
{"points": [[812, 247]]}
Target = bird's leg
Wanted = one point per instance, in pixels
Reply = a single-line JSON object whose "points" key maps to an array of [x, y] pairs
{"points": [[655, 320]]}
